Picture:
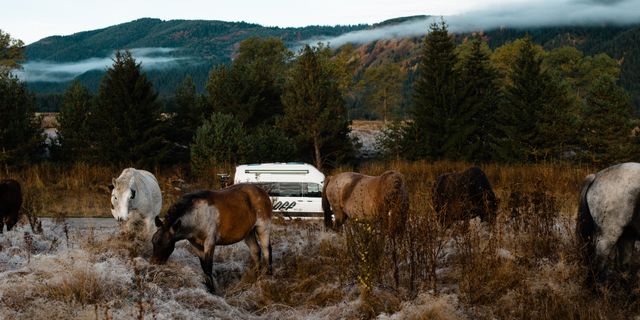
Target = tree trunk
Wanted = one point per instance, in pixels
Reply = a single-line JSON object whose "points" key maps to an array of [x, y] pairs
{"points": [[316, 147], [385, 106]]}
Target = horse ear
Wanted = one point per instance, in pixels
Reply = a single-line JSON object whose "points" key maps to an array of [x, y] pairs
{"points": [[158, 222]]}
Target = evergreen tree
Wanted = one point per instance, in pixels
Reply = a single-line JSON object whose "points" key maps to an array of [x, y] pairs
{"points": [[73, 122], [605, 133], [189, 115], [219, 141], [436, 105], [314, 111], [21, 138], [269, 144], [536, 118], [251, 87], [11, 53], [127, 126], [480, 139]]}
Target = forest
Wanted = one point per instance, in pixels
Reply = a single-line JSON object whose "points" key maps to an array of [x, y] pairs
{"points": [[465, 101]]}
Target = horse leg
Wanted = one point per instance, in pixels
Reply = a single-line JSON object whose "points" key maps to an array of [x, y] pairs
{"points": [[604, 246], [394, 257], [262, 232], [206, 262], [252, 243], [626, 259]]}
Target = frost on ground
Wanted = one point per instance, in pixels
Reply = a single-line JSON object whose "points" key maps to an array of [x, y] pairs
{"points": [[85, 270]]}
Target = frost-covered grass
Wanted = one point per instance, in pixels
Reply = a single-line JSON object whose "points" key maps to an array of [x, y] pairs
{"points": [[526, 265]]}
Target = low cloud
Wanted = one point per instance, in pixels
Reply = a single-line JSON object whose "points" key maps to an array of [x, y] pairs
{"points": [[546, 13], [47, 71]]}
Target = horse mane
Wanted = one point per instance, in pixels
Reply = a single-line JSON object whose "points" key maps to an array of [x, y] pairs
{"points": [[184, 205], [126, 175]]}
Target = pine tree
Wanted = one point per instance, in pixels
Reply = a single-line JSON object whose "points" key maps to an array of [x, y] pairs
{"points": [[127, 128], [189, 115], [314, 111], [220, 140], [436, 103], [73, 122], [251, 87], [11, 53], [479, 139], [607, 115], [21, 138], [536, 118]]}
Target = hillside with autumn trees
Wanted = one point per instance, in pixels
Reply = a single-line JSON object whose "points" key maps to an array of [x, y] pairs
{"points": [[199, 46]]}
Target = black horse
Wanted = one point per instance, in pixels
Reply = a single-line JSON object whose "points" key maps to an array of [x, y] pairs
{"points": [[464, 195], [10, 202]]}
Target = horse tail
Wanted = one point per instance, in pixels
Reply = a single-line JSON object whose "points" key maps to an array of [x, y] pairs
{"points": [[270, 258], [326, 206], [585, 225]]}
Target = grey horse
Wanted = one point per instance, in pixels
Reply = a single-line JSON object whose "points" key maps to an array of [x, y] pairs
{"points": [[608, 223]]}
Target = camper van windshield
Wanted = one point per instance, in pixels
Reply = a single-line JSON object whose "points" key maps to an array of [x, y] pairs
{"points": [[292, 189]]}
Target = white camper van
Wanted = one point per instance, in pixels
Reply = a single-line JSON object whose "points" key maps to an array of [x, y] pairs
{"points": [[295, 188]]}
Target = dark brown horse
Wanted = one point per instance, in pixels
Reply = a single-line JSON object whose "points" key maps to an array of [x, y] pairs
{"points": [[210, 218], [464, 195], [10, 202], [355, 195]]}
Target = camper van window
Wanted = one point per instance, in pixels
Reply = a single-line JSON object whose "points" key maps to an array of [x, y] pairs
{"points": [[292, 189], [312, 190]]}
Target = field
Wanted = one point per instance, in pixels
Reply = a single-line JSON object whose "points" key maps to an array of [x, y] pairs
{"points": [[525, 265]]}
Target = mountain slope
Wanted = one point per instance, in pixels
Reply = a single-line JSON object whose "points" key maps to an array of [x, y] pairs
{"points": [[198, 45]]}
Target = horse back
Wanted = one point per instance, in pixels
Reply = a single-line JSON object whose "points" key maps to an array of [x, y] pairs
{"points": [[240, 207], [356, 194], [464, 194], [361, 195], [149, 188]]}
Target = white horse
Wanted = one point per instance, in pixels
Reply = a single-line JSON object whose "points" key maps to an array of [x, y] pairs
{"points": [[608, 219], [136, 199]]}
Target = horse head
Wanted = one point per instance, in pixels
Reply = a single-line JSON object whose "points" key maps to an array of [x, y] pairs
{"points": [[164, 241], [123, 197], [396, 201]]}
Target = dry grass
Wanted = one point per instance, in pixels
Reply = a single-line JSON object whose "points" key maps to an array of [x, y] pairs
{"points": [[523, 266], [81, 190]]}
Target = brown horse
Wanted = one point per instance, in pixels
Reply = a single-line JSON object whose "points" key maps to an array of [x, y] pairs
{"points": [[464, 195], [358, 196], [210, 218], [10, 202]]}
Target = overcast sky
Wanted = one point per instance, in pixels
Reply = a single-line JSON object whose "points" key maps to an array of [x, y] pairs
{"points": [[31, 20]]}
